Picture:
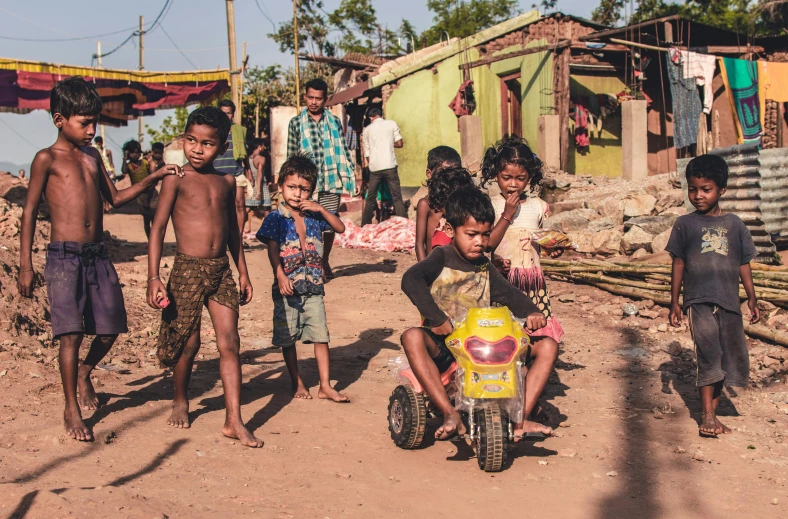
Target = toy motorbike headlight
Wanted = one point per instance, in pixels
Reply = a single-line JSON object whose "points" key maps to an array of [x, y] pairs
{"points": [[484, 352]]}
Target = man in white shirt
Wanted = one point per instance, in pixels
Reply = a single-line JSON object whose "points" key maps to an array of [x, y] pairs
{"points": [[379, 139]]}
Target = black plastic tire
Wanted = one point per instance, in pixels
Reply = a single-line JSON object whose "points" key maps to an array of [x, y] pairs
{"points": [[407, 417], [492, 439]]}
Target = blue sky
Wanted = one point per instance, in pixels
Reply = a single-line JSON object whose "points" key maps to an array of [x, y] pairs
{"points": [[198, 27]]}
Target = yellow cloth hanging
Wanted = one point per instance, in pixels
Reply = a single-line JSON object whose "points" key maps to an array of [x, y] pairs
{"points": [[772, 84]]}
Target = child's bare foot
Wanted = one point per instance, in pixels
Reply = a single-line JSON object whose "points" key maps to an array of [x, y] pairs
{"points": [[301, 391], [531, 427], [452, 424], [238, 431], [709, 425], [723, 429], [75, 427], [86, 394], [179, 418], [329, 393]]}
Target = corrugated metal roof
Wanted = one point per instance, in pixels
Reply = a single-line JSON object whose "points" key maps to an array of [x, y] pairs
{"points": [[757, 192]]}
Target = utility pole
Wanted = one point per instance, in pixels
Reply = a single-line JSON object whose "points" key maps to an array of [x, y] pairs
{"points": [[141, 67], [297, 72], [98, 59], [233, 60]]}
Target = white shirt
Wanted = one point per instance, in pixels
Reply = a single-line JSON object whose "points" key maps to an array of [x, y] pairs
{"points": [[378, 139]]}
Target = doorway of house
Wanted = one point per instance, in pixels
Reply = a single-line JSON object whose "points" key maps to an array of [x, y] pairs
{"points": [[511, 105]]}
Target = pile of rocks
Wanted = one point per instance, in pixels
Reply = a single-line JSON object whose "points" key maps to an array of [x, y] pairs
{"points": [[608, 217]]}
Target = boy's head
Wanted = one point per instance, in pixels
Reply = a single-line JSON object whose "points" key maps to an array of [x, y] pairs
{"points": [[75, 107], [205, 136], [157, 151], [707, 179], [228, 107], [297, 180], [132, 150], [469, 217], [442, 157], [98, 140], [443, 183], [375, 112], [315, 95]]}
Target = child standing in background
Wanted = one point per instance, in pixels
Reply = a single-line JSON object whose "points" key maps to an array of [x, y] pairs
{"points": [[428, 219], [138, 169]]}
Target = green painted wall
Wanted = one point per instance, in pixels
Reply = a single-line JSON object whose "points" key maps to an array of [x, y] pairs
{"points": [[604, 153], [488, 104], [537, 81]]}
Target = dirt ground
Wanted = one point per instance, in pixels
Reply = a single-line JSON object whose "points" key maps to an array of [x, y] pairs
{"points": [[621, 399]]}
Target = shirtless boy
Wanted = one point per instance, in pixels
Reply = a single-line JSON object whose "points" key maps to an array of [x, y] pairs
{"points": [[83, 289], [202, 206]]}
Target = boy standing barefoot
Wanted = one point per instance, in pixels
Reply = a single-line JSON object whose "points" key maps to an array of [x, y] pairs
{"points": [[711, 251], [294, 234], [83, 289], [202, 206]]}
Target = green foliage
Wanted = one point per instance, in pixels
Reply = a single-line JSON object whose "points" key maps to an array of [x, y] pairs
{"points": [[461, 18], [170, 128], [312, 31]]}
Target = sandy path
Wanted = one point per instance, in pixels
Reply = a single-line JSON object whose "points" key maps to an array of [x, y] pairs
{"points": [[613, 457]]}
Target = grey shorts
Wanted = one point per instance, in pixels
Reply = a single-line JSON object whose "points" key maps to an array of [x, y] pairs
{"points": [[299, 318], [331, 202], [720, 345]]}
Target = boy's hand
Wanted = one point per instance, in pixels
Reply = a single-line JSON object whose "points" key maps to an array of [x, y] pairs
{"points": [[169, 169], [285, 285], [512, 204], [444, 329], [311, 206], [535, 321], [675, 315], [503, 265], [25, 282], [755, 312], [245, 289], [156, 290]]}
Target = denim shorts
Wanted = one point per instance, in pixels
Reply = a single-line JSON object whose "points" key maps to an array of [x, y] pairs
{"points": [[299, 318]]}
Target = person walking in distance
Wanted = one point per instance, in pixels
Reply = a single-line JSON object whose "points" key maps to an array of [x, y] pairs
{"points": [[320, 135], [379, 139]]}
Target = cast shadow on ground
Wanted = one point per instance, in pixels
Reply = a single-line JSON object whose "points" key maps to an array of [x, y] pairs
{"points": [[387, 266], [28, 499], [637, 493]]}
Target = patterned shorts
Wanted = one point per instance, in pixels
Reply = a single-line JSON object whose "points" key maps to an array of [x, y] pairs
{"points": [[148, 201], [192, 283]]}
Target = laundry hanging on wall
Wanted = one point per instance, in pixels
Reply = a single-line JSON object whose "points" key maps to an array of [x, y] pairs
{"points": [[698, 66], [772, 84], [741, 82], [686, 105], [127, 94]]}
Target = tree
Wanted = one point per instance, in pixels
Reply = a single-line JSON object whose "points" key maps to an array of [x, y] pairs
{"points": [[312, 31], [169, 128], [608, 12], [462, 18]]}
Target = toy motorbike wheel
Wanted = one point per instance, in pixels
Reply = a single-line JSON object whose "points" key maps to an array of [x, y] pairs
{"points": [[492, 438], [407, 417]]}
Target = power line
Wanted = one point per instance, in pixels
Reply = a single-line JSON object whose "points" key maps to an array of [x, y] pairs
{"points": [[136, 33], [265, 13], [17, 133], [176, 46], [72, 38]]}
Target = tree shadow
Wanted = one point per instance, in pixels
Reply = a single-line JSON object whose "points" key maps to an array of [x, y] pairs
{"points": [[387, 266]]}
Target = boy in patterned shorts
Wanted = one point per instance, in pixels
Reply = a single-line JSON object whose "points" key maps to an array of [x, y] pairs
{"points": [[202, 206]]}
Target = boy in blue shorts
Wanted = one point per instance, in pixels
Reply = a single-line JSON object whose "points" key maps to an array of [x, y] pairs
{"points": [[294, 234]]}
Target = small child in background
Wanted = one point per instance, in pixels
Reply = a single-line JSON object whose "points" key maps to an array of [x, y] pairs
{"points": [[156, 156], [294, 234], [427, 218], [711, 251], [138, 169], [515, 168]]}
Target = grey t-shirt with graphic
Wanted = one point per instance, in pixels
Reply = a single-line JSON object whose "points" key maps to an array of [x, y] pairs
{"points": [[713, 248]]}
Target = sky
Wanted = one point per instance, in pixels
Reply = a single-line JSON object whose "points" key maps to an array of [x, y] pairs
{"points": [[197, 27]]}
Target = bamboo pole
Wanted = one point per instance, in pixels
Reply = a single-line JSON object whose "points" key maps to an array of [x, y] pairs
{"points": [[297, 71], [762, 332]]}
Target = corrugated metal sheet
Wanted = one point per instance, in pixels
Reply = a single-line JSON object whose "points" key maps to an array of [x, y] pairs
{"points": [[757, 193]]}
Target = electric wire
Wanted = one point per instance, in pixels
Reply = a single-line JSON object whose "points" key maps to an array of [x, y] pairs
{"points": [[176, 46], [264, 12], [136, 33], [17, 133]]}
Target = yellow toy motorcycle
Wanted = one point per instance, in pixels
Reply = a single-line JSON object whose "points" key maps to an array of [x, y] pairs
{"points": [[488, 383]]}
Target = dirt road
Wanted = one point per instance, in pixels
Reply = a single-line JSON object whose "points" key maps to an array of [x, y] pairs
{"points": [[626, 445]]}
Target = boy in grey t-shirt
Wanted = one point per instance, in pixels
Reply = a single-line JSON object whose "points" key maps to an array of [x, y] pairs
{"points": [[711, 251]]}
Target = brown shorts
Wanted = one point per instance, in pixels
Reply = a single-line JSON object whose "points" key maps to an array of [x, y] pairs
{"points": [[192, 283], [148, 201]]}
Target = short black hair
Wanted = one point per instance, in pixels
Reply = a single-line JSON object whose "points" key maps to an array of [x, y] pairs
{"points": [[301, 165], [132, 145], [443, 183], [98, 139], [213, 117], [226, 102], [515, 151], [74, 96], [375, 112], [442, 157], [157, 146], [708, 166], [317, 84], [466, 202]]}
